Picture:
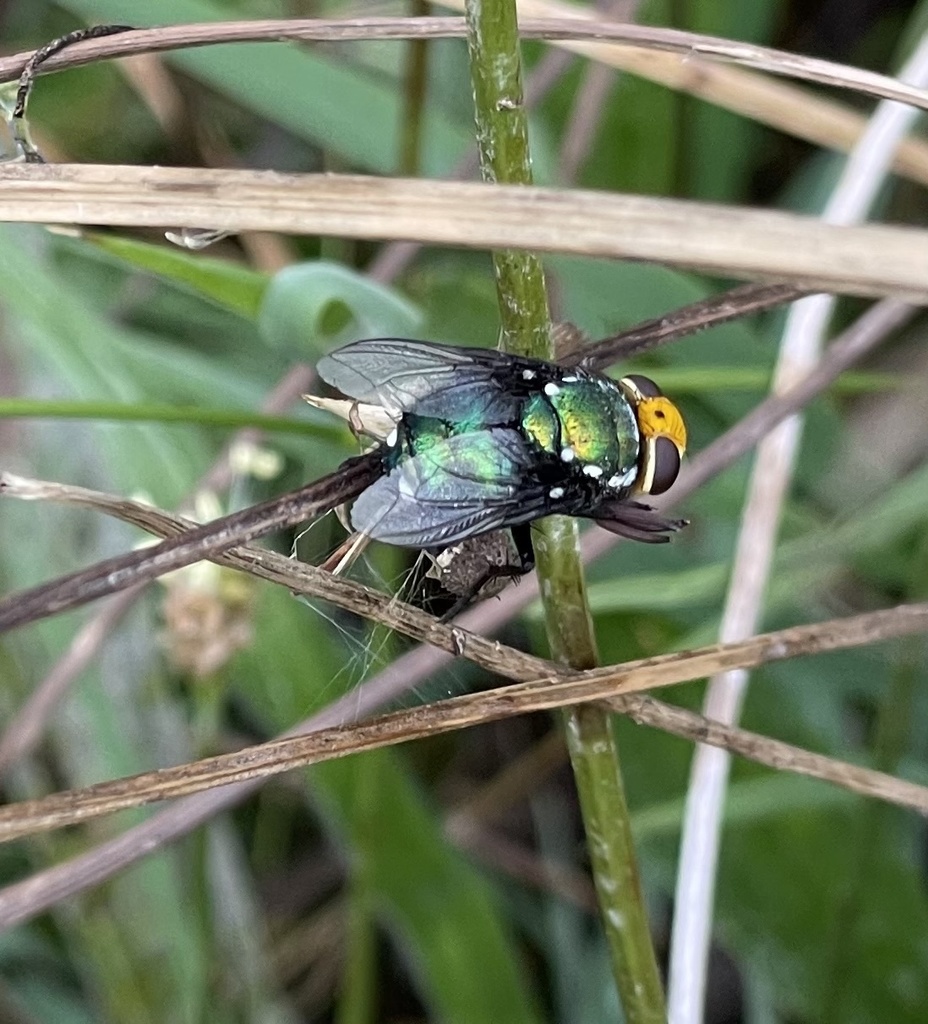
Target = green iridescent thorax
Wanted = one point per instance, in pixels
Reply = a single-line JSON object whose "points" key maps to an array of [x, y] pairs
{"points": [[541, 424], [591, 418]]}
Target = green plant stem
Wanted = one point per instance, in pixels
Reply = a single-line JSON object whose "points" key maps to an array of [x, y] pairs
{"points": [[415, 89], [502, 134]]}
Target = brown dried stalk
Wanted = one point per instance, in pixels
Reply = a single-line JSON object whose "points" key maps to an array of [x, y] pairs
{"points": [[548, 687]]}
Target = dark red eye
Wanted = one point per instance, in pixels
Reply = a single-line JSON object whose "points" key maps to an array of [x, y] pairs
{"points": [[646, 387], [666, 465]]}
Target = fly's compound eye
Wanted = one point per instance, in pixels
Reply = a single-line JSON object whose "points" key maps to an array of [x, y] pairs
{"points": [[666, 464], [642, 387]]}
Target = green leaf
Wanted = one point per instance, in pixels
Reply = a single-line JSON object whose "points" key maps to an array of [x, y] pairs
{"points": [[749, 801], [229, 284], [340, 107], [450, 928], [311, 307], [449, 925]]}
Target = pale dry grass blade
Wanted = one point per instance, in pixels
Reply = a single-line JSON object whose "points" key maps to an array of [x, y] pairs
{"points": [[872, 260], [799, 352], [539, 19]]}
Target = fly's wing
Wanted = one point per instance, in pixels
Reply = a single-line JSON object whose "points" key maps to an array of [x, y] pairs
{"points": [[636, 521], [400, 374], [459, 487]]}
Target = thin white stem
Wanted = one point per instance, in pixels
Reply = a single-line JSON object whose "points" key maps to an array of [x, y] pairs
{"points": [[864, 174]]}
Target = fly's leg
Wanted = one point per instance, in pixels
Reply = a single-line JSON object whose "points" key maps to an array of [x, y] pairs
{"points": [[522, 538], [346, 554]]}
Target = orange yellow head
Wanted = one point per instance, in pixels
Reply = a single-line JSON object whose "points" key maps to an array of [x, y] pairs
{"points": [[662, 432]]}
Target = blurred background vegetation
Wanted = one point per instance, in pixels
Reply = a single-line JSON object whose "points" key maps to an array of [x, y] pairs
{"points": [[409, 884]]}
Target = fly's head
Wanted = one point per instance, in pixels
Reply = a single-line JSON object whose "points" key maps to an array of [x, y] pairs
{"points": [[662, 432]]}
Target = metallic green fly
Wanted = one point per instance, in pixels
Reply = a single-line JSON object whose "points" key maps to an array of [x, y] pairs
{"points": [[356, 475], [475, 440]]}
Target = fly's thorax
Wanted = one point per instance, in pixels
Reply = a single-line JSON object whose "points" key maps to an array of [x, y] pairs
{"points": [[541, 424], [586, 422]]}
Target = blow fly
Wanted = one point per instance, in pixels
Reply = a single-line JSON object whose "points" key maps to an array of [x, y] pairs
{"points": [[475, 440]]}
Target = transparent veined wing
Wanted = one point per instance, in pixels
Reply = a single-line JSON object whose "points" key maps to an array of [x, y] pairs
{"points": [[400, 374], [460, 486]]}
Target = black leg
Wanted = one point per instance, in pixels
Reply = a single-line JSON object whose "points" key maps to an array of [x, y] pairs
{"points": [[522, 538]]}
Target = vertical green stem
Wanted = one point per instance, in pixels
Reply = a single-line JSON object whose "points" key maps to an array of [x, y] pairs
{"points": [[415, 88], [502, 134]]}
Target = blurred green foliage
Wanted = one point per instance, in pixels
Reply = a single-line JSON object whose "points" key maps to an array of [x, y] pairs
{"points": [[338, 893]]}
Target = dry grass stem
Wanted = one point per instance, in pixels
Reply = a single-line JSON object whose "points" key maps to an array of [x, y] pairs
{"points": [[751, 244], [663, 55], [545, 687], [557, 22], [551, 687]]}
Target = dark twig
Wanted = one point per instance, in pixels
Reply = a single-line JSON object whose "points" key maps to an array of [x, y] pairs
{"points": [[681, 323], [122, 571], [115, 574], [27, 78]]}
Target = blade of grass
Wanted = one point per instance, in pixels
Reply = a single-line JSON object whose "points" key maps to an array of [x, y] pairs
{"points": [[871, 259], [319, 97], [154, 412], [502, 132]]}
